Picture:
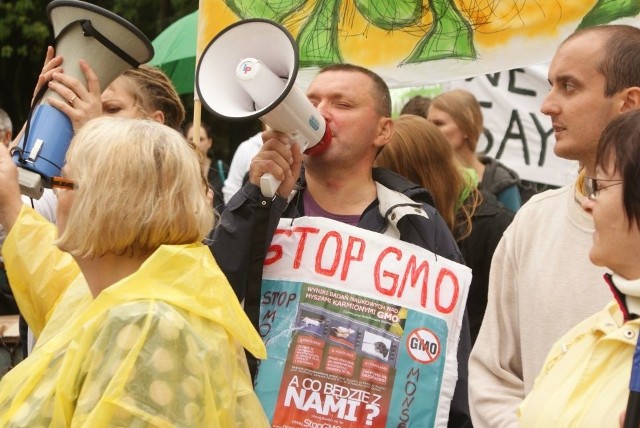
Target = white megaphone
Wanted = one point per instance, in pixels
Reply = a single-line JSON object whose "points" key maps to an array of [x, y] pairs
{"points": [[110, 45], [248, 71]]}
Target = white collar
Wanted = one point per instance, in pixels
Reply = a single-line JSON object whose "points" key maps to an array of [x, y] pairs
{"points": [[631, 289]]}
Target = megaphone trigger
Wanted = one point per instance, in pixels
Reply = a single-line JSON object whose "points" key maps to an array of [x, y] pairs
{"points": [[269, 184]]}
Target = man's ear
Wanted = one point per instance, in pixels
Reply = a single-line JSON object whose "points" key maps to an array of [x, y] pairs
{"points": [[630, 99], [385, 131]]}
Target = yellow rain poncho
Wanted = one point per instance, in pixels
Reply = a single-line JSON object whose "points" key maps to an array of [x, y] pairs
{"points": [[161, 347]]}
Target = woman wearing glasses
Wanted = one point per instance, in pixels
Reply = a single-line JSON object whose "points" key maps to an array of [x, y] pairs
{"points": [[141, 328], [585, 378]]}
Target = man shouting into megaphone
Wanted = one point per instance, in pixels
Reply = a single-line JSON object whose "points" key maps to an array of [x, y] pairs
{"points": [[341, 184]]}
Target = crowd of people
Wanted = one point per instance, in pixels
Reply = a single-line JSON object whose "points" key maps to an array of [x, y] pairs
{"points": [[141, 286]]}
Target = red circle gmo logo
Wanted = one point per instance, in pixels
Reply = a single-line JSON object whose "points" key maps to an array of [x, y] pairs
{"points": [[423, 345]]}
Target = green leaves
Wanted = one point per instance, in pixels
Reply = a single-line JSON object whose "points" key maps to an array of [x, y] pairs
{"points": [[391, 15], [19, 31]]}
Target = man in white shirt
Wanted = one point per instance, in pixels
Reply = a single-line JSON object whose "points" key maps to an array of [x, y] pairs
{"points": [[542, 282]]}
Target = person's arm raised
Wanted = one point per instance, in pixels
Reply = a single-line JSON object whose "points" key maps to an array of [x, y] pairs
{"points": [[52, 64]]}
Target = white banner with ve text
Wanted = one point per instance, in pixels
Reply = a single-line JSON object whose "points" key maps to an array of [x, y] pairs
{"points": [[517, 133]]}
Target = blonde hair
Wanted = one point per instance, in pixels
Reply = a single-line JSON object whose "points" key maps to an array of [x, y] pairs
{"points": [[139, 185], [420, 152], [465, 111]]}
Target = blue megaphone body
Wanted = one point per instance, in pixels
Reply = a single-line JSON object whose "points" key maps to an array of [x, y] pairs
{"points": [[50, 133], [111, 45]]}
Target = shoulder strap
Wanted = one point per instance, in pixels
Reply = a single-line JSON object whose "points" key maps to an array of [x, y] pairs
{"points": [[394, 206]]}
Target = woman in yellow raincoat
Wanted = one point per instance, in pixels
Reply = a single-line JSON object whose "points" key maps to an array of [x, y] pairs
{"points": [[137, 326]]}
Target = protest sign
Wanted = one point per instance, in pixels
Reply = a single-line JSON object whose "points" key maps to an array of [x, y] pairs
{"points": [[422, 43], [357, 326]]}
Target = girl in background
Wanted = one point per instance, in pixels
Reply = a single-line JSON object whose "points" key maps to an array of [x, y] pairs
{"points": [[458, 115], [216, 169]]}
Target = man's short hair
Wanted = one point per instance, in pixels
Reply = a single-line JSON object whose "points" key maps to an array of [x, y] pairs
{"points": [[620, 63]]}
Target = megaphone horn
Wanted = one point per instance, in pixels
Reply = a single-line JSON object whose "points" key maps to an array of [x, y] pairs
{"points": [[248, 71], [110, 45]]}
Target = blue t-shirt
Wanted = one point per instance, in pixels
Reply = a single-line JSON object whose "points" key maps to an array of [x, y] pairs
{"points": [[510, 198]]}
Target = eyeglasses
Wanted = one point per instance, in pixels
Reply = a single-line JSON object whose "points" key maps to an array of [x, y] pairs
{"points": [[64, 183], [592, 186]]}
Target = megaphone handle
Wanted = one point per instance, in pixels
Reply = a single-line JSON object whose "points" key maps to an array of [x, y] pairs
{"points": [[268, 185], [31, 184]]}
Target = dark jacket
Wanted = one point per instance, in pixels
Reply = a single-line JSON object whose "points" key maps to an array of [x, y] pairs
{"points": [[248, 211], [489, 222]]}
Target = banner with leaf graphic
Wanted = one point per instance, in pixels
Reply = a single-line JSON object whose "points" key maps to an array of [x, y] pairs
{"points": [[416, 42]]}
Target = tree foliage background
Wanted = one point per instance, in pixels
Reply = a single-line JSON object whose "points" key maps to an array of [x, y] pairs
{"points": [[25, 33]]}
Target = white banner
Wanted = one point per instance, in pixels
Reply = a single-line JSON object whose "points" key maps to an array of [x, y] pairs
{"points": [[516, 132], [418, 42]]}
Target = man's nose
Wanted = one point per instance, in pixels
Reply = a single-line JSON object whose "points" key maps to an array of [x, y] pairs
{"points": [[549, 105]]}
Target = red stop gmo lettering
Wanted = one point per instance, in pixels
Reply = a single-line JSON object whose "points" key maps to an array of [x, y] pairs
{"points": [[423, 345]]}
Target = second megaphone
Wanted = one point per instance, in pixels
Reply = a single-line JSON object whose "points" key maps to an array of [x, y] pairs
{"points": [[248, 71], [110, 45]]}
